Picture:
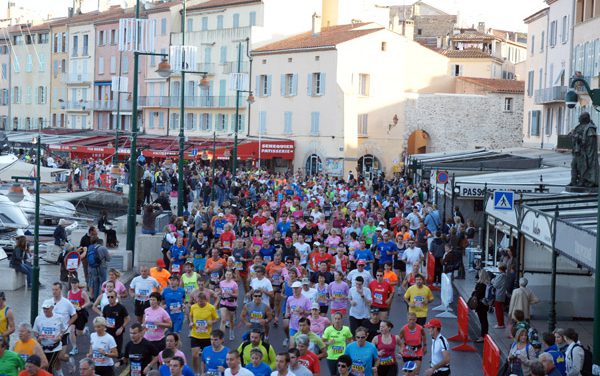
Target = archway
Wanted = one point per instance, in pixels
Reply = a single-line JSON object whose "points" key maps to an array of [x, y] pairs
{"points": [[367, 165], [418, 142], [313, 165]]}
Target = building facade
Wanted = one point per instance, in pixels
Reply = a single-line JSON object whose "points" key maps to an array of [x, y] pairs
{"points": [[330, 91], [423, 23], [5, 81], [30, 80], [58, 80]]}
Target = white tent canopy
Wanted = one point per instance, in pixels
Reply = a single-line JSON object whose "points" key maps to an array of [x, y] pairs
{"points": [[10, 167]]}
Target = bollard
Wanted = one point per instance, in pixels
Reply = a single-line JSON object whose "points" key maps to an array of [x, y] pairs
{"points": [[431, 272], [491, 357], [463, 328]]}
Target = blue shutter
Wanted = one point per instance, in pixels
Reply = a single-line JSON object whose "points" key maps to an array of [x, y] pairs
{"points": [[223, 56], [309, 85], [262, 121], [252, 18], [209, 125], [225, 121], [207, 53], [242, 122], [222, 88], [257, 86], [287, 120], [236, 20], [294, 84], [269, 80], [314, 123], [283, 85], [322, 83]]}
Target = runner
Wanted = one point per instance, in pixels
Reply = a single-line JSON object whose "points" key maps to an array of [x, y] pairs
{"points": [[338, 291], [413, 343], [336, 337], [274, 271], [27, 346], [140, 289], [363, 354], [117, 319], [228, 295], [174, 297], [156, 322], [7, 320], [386, 344], [382, 295], [139, 352], [257, 315], [214, 356], [103, 348], [177, 254], [202, 317], [49, 329], [418, 298], [80, 300]]}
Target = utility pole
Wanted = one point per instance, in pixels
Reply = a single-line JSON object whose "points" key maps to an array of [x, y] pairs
{"points": [[180, 190]]}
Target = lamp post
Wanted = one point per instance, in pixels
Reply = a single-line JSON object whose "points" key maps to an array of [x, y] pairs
{"points": [[35, 276], [237, 106], [213, 163], [571, 99]]}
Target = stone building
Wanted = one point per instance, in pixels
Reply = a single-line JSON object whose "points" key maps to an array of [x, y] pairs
{"points": [[423, 23], [482, 113]]}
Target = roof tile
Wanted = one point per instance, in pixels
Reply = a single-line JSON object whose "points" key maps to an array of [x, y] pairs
{"points": [[471, 53], [496, 85], [221, 3]]}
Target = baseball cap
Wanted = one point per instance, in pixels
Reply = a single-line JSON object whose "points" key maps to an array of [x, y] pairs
{"points": [[296, 284], [288, 239], [160, 262], [35, 360], [316, 244], [315, 305], [382, 223], [409, 366], [305, 281], [378, 229], [361, 262], [48, 303], [434, 323], [221, 215]]}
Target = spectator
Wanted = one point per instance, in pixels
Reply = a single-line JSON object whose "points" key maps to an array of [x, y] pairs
{"points": [[522, 298], [574, 353], [499, 283]]}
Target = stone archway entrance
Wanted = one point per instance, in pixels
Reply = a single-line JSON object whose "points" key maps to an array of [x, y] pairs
{"points": [[418, 142], [313, 165], [367, 165]]}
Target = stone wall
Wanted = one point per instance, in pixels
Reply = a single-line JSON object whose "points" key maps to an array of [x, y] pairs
{"points": [[465, 121], [434, 26]]}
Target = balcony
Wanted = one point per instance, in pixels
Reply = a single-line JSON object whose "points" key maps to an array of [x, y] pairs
{"points": [[231, 67], [111, 105], [76, 105], [192, 102], [209, 68], [76, 78], [550, 95]]}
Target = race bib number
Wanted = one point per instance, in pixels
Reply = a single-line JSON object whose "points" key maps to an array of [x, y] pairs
{"points": [[189, 289], [110, 322], [276, 278], [47, 332], [238, 265], [24, 357], [267, 259], [214, 276], [337, 350], [136, 369], [176, 268], [256, 316], [419, 301], [75, 303], [358, 368], [98, 358], [201, 326], [387, 361], [410, 351], [378, 298], [142, 295], [175, 307], [151, 325], [322, 297]]}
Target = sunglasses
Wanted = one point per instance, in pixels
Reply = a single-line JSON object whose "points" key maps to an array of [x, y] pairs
{"points": [[360, 337], [342, 366], [111, 297], [257, 296]]}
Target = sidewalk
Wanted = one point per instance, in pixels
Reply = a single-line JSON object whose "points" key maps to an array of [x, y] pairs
{"points": [[20, 300], [539, 320]]}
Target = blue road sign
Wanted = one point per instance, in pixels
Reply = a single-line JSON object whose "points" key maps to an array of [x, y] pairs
{"points": [[504, 200], [194, 152]]}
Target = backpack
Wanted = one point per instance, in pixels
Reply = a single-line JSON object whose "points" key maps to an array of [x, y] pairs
{"points": [[586, 370], [93, 257], [490, 295]]}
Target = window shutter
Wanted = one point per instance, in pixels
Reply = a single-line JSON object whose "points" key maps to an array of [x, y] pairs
{"points": [[309, 85], [287, 119], [209, 122], [314, 123], [269, 79], [225, 122], [242, 122], [207, 53], [323, 83], [223, 55], [295, 84], [262, 120], [257, 86], [283, 85]]}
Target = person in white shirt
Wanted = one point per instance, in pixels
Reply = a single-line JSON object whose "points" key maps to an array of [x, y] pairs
{"points": [[440, 350], [574, 354], [282, 365], [360, 271], [309, 292], [412, 254], [234, 363], [64, 309], [48, 330], [302, 248], [262, 284], [414, 219], [360, 303], [103, 348], [140, 289]]}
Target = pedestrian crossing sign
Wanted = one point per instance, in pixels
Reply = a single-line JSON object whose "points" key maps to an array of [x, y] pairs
{"points": [[504, 200]]}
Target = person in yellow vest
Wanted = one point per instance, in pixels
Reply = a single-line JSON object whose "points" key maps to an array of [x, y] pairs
{"points": [[27, 345], [7, 320]]}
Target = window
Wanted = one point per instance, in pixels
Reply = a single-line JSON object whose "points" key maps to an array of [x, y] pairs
{"points": [[161, 120], [174, 124], [542, 41], [207, 55], [363, 84], [564, 35], [316, 84], [560, 121], [41, 95], [457, 70], [219, 22], [4, 71], [125, 65], [113, 37], [363, 124], [163, 26], [252, 18], [540, 79], [16, 65], [508, 105], [27, 98], [287, 122], [314, 123], [236, 20], [383, 46], [221, 123], [43, 38], [189, 122], [4, 96], [113, 65], [530, 77], [553, 32], [204, 122], [264, 85], [289, 85], [419, 31], [55, 47], [85, 45], [18, 39], [532, 45], [63, 66], [534, 123], [190, 24], [42, 63], [204, 23], [64, 42], [262, 122], [74, 52], [101, 40], [29, 65]]}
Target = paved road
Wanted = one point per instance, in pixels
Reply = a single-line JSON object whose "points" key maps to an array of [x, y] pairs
{"points": [[463, 363]]}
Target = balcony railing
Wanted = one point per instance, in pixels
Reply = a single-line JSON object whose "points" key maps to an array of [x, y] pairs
{"points": [[551, 94], [111, 105], [76, 105], [231, 67], [76, 78], [192, 102]]}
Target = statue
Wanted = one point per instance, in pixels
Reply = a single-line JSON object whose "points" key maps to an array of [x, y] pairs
{"points": [[584, 166]]}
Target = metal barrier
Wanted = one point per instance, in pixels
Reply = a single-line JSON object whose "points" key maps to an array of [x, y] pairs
{"points": [[161, 221], [491, 357], [463, 328]]}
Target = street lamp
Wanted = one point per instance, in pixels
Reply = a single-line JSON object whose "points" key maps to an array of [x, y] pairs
{"points": [[571, 99]]}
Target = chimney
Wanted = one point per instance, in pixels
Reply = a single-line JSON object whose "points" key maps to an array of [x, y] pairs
{"points": [[481, 27], [316, 24]]}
